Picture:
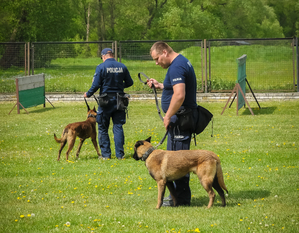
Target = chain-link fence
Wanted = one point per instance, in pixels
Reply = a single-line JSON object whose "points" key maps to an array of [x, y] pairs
{"points": [[12, 64], [270, 64], [136, 55], [69, 66]]}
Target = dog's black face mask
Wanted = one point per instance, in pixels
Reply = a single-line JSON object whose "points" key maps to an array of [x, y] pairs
{"points": [[137, 144]]}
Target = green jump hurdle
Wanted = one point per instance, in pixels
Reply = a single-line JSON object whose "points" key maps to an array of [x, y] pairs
{"points": [[30, 91]]}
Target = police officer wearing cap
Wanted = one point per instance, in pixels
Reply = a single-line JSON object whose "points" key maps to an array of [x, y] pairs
{"points": [[111, 77]]}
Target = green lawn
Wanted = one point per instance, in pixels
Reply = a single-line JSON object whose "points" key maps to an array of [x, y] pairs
{"points": [[259, 156]]}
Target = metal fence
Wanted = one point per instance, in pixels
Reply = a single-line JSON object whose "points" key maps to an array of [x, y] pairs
{"points": [[270, 63], [69, 66], [136, 55]]}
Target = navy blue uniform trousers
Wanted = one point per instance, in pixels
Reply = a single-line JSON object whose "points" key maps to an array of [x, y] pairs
{"points": [[118, 119]]}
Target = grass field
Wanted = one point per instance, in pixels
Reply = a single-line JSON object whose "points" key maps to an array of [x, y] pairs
{"points": [[259, 156]]}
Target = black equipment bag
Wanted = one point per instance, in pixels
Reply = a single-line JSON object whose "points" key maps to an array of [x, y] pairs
{"points": [[204, 118], [185, 119], [122, 101], [103, 100]]}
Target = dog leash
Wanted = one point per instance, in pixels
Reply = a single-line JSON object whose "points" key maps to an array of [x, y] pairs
{"points": [[155, 92], [96, 99], [162, 140]]}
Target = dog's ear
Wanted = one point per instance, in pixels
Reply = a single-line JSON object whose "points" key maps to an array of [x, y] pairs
{"points": [[94, 109], [148, 139]]}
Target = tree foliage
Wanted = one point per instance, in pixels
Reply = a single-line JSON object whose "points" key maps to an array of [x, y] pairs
{"points": [[55, 20], [287, 12]]}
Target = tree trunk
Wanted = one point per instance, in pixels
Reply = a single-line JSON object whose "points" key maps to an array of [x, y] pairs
{"points": [[101, 27], [87, 25]]}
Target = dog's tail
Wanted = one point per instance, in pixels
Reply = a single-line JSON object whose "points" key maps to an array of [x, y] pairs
{"points": [[59, 140], [219, 175]]}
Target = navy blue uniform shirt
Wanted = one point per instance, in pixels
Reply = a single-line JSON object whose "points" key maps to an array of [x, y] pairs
{"points": [[179, 71], [111, 76]]}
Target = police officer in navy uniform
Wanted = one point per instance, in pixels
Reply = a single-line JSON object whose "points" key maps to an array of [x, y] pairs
{"points": [[179, 92], [111, 77]]}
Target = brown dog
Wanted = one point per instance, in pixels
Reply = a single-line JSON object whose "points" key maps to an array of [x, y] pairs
{"points": [[167, 166], [83, 130]]}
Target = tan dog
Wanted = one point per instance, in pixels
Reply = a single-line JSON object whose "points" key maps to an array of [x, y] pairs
{"points": [[83, 130], [167, 166]]}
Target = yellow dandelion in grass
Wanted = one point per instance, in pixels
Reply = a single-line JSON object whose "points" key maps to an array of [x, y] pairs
{"points": [[22, 216], [56, 226], [16, 220]]}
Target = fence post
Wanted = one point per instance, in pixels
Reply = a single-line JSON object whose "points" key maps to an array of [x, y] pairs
{"points": [[210, 82], [25, 56], [297, 64], [28, 58], [115, 50], [119, 52], [32, 59], [206, 71], [201, 52]]}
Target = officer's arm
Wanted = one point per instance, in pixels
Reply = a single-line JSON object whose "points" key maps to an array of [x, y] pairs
{"points": [[176, 102]]}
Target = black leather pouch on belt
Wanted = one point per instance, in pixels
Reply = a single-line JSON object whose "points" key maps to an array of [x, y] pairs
{"points": [[185, 119], [103, 100], [122, 101]]}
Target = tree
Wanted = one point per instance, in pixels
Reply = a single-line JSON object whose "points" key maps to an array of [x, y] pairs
{"points": [[216, 19], [35, 20], [287, 12]]}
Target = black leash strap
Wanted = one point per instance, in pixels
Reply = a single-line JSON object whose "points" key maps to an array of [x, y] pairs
{"points": [[161, 142], [155, 92], [96, 99]]}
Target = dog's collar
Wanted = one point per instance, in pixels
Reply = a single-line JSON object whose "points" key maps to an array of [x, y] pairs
{"points": [[91, 115], [146, 154]]}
